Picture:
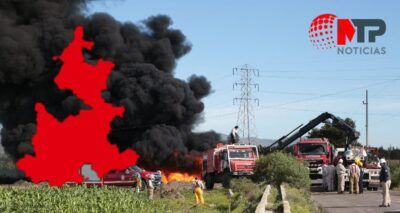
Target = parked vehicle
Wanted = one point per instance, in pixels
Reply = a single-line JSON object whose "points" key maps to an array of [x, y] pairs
{"points": [[120, 177], [317, 152], [368, 156]]}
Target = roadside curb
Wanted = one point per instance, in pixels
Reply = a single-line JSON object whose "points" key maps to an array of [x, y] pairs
{"points": [[264, 200], [286, 206]]}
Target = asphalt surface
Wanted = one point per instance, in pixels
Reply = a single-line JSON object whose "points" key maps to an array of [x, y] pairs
{"points": [[331, 202]]}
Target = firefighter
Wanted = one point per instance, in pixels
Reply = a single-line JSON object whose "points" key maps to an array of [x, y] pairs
{"points": [[330, 177], [325, 177], [234, 136], [341, 171], [138, 181], [150, 187], [198, 191], [361, 183], [384, 178], [354, 174]]}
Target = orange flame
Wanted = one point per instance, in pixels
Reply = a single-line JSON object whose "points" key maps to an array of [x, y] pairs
{"points": [[177, 176]]}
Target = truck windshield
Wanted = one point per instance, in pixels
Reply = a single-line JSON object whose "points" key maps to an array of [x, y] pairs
{"points": [[313, 149], [241, 154]]}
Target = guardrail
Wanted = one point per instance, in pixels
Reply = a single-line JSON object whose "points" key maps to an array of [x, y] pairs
{"points": [[264, 200], [285, 202]]}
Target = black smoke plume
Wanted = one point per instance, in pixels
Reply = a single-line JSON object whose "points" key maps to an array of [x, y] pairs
{"points": [[161, 110]]}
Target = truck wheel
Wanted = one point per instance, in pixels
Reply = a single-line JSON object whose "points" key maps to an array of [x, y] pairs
{"points": [[226, 181], [209, 181]]}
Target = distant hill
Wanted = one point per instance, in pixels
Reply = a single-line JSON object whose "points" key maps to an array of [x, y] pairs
{"points": [[258, 141]]}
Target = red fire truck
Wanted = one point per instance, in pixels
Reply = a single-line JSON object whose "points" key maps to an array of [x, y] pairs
{"points": [[223, 162], [315, 151]]}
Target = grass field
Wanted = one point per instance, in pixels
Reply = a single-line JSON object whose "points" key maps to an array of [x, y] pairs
{"points": [[107, 199], [300, 200], [28, 198]]}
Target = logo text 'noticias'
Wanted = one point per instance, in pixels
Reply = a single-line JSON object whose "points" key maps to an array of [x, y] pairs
{"points": [[327, 31]]}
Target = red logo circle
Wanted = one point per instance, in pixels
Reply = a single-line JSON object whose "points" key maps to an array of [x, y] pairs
{"points": [[321, 31]]}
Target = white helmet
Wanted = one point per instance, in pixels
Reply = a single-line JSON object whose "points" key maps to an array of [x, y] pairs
{"points": [[382, 160], [340, 160]]}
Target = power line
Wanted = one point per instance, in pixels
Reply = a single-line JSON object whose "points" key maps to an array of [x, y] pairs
{"points": [[322, 70], [373, 78], [315, 97], [328, 95]]}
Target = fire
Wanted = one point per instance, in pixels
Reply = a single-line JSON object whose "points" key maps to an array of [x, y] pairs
{"points": [[177, 176]]}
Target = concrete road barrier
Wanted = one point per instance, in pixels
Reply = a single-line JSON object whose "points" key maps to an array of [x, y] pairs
{"points": [[286, 206], [264, 200]]}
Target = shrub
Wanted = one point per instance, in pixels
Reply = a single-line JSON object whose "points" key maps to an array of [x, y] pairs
{"points": [[395, 173], [279, 167]]}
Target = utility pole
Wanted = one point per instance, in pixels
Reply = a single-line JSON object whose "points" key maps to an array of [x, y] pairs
{"points": [[366, 117], [245, 120]]}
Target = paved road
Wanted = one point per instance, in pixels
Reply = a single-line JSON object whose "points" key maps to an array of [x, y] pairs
{"points": [[332, 202]]}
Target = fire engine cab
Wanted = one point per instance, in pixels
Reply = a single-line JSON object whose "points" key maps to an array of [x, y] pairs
{"points": [[223, 162]]}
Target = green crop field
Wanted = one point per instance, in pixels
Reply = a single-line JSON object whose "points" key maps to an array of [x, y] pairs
{"points": [[177, 197], [107, 199], [75, 199]]}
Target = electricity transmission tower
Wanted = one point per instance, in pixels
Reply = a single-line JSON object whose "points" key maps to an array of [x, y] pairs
{"points": [[245, 119]]}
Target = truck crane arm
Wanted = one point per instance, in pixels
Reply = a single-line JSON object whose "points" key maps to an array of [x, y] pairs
{"points": [[288, 139]]}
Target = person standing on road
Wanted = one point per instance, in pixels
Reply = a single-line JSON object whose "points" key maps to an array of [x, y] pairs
{"points": [[354, 174], [361, 183], [150, 187], [340, 171], [198, 191], [234, 136], [384, 178], [331, 177], [325, 177]]}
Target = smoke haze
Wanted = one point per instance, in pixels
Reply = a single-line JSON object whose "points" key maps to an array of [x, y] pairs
{"points": [[161, 110]]}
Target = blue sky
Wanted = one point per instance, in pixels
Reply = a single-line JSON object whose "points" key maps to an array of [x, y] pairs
{"points": [[297, 81]]}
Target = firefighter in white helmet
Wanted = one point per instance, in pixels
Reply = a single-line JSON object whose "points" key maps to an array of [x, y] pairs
{"points": [[384, 177], [341, 171]]}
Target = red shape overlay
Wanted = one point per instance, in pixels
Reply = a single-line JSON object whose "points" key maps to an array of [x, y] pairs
{"points": [[61, 148]]}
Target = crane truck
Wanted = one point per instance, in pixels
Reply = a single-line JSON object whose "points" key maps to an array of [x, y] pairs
{"points": [[316, 151], [319, 151]]}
